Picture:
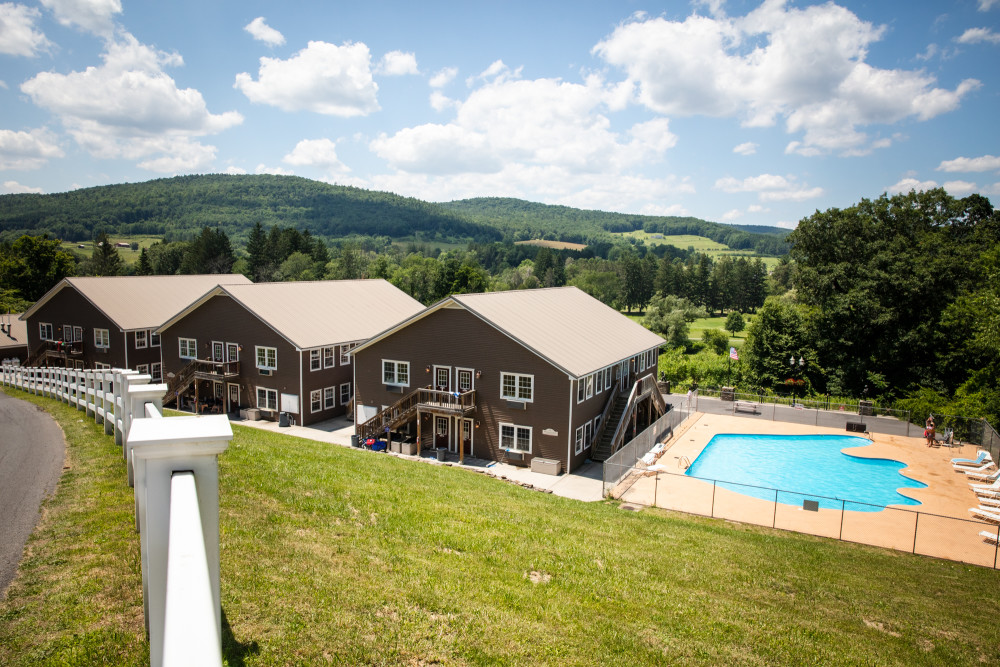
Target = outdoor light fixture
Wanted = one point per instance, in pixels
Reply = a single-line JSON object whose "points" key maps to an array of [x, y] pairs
{"points": [[479, 374], [427, 369], [477, 423]]}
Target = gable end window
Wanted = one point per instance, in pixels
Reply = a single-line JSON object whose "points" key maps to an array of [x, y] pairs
{"points": [[396, 372], [188, 348], [517, 387], [102, 338], [267, 357], [45, 330]]}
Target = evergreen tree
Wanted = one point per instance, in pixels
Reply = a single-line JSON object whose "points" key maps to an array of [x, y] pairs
{"points": [[144, 267], [105, 260]]}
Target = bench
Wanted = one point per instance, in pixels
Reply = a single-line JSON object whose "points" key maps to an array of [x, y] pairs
{"points": [[746, 406]]}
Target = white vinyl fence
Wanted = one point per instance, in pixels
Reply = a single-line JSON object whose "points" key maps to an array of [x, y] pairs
{"points": [[173, 466]]}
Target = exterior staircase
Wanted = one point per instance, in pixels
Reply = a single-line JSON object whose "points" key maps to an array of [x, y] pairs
{"points": [[604, 447], [200, 369], [618, 414], [405, 409]]}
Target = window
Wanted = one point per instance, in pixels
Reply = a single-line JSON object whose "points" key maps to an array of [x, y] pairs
{"points": [[143, 368], [578, 440], [588, 434], [396, 372], [581, 390], [590, 385], [156, 370], [141, 339], [598, 382], [188, 348], [464, 379], [607, 377], [345, 393], [329, 398], [154, 339], [517, 387], [267, 399], [99, 366], [267, 357], [316, 400], [515, 438], [315, 360], [329, 361], [77, 334], [67, 333], [345, 356], [102, 338], [45, 331]]}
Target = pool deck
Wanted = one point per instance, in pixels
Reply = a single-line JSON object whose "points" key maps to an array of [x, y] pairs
{"points": [[941, 526]]}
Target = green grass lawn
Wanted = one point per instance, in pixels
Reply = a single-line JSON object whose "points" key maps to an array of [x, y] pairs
{"points": [[332, 555], [128, 255], [700, 244]]}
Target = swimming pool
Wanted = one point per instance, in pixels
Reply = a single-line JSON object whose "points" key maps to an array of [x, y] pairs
{"points": [[803, 467]]}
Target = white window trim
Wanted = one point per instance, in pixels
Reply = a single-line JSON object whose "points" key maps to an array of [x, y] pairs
{"points": [[500, 428], [345, 353], [142, 368], [154, 339], [332, 357], [191, 344], [395, 373], [590, 386], [316, 401], [106, 337], [329, 398], [343, 400], [517, 387], [588, 434], [77, 334], [261, 348], [156, 371], [315, 356], [578, 440], [267, 394], [45, 331], [144, 337]]}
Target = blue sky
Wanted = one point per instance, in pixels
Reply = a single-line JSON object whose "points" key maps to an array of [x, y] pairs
{"points": [[741, 112]]}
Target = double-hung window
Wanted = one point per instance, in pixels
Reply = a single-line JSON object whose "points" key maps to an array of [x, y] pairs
{"points": [[329, 361], [590, 385], [154, 339], [156, 370], [345, 393], [141, 339], [315, 360], [329, 398], [396, 372], [267, 399], [45, 330], [188, 348], [316, 400], [517, 387], [267, 357], [102, 338], [515, 438], [578, 440], [345, 353]]}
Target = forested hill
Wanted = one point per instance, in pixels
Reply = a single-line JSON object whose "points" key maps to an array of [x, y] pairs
{"points": [[523, 220], [180, 207]]}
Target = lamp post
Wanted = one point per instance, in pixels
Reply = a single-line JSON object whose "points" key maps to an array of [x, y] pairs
{"points": [[801, 364]]}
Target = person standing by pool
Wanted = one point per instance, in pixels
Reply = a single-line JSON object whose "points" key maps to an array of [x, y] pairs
{"points": [[929, 430]]}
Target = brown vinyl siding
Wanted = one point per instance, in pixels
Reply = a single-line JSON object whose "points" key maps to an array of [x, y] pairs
{"points": [[70, 307], [456, 338]]}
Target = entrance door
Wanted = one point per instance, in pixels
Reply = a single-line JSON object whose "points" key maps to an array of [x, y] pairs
{"points": [[234, 397], [441, 432], [467, 425], [463, 379], [232, 352], [217, 351], [442, 378]]}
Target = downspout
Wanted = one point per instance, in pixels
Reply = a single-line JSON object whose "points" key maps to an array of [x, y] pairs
{"points": [[569, 426], [302, 399], [125, 339]]}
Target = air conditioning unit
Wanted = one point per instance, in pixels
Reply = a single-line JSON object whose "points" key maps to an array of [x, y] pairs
{"points": [[265, 371]]}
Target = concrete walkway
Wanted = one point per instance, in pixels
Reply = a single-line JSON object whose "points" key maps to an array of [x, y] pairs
{"points": [[585, 483]]}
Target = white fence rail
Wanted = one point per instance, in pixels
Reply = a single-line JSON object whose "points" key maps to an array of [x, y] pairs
{"points": [[173, 466]]}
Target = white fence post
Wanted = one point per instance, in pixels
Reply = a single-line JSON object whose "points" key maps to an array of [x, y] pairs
{"points": [[159, 448], [138, 395]]}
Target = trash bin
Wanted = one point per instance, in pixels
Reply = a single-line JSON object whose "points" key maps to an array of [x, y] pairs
{"points": [[354, 441], [283, 419], [442, 454]]}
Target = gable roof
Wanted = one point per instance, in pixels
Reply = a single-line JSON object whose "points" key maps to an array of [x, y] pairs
{"points": [[139, 302], [564, 325], [17, 333], [319, 313]]}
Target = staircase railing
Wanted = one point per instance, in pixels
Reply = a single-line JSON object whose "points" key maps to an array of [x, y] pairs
{"points": [[644, 386], [402, 410], [223, 369], [608, 407]]}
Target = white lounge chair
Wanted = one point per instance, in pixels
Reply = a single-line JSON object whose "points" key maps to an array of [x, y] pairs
{"points": [[988, 536], [981, 458], [981, 470], [985, 514], [995, 486], [990, 502], [985, 476], [986, 494]]}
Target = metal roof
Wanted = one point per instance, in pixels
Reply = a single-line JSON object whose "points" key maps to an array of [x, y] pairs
{"points": [[564, 325], [327, 312], [140, 302], [14, 331]]}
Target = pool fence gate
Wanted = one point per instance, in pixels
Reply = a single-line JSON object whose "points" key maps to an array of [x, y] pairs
{"points": [[173, 466]]}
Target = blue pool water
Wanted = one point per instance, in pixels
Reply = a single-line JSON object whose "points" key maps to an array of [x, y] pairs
{"points": [[804, 467]]}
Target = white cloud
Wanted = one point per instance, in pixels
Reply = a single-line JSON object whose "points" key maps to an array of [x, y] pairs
{"points": [[731, 215], [748, 148], [323, 78], [439, 101], [992, 189], [976, 35], [15, 188], [27, 150], [769, 187], [960, 188], [274, 171], [128, 107], [966, 164], [907, 184], [18, 36], [96, 16], [986, 5], [659, 209], [806, 66], [316, 153], [398, 63], [262, 32], [756, 208], [236, 171], [443, 77]]}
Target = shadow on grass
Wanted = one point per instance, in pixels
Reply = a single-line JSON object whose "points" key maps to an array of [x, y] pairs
{"points": [[235, 652]]}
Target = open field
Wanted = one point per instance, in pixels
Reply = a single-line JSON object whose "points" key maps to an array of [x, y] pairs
{"points": [[128, 255], [557, 245], [352, 557], [698, 244]]}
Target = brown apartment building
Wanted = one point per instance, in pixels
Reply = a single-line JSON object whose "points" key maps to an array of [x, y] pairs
{"points": [[276, 347], [502, 375], [110, 322]]}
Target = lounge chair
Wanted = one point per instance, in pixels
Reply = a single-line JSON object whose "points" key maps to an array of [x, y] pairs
{"points": [[981, 470], [985, 476], [990, 502], [981, 458], [985, 514], [987, 494], [988, 536]]}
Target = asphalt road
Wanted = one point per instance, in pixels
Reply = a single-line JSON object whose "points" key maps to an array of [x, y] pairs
{"points": [[32, 450]]}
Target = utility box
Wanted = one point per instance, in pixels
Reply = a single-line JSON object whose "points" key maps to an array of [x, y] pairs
{"points": [[728, 394], [250, 414], [546, 466]]}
